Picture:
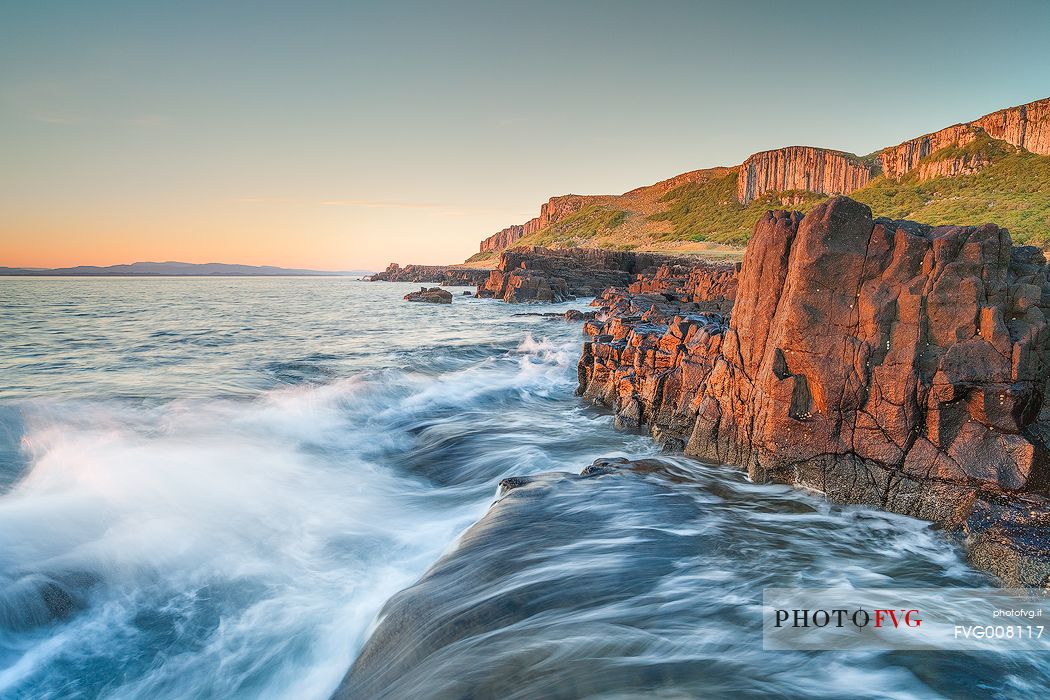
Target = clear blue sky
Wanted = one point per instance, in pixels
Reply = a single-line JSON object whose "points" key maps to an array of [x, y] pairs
{"points": [[337, 134]]}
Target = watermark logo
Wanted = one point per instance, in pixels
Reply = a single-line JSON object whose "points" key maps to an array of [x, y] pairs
{"points": [[915, 618]]}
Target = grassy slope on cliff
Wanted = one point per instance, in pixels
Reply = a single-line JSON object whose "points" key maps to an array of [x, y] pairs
{"points": [[709, 211], [1012, 191]]}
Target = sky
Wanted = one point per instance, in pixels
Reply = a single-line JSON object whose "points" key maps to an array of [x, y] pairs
{"points": [[346, 135]]}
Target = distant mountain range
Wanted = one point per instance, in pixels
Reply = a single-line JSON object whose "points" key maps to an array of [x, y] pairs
{"points": [[177, 269], [993, 169]]}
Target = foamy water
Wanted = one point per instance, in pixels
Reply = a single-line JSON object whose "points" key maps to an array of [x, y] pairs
{"points": [[210, 487]]}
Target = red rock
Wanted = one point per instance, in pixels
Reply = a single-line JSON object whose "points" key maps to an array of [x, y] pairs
{"points": [[807, 168], [884, 363], [553, 210], [1026, 126]]}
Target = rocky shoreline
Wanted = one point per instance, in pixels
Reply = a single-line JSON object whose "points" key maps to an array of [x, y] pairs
{"points": [[882, 363], [554, 275], [447, 275]]}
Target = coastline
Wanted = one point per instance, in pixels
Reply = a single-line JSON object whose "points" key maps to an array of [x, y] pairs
{"points": [[828, 361]]}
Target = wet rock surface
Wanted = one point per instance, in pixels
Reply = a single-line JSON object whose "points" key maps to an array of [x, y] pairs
{"points": [[433, 295], [570, 315], [466, 607], [883, 363], [643, 578]]}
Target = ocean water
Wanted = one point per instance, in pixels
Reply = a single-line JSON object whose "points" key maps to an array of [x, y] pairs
{"points": [[210, 487]]}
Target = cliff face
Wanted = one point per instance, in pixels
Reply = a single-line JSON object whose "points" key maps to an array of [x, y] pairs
{"points": [[884, 363], [800, 168], [900, 160], [505, 238], [1026, 126], [553, 210], [805, 169]]}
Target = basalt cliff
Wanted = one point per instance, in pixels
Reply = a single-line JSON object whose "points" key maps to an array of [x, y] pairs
{"points": [[552, 211], [996, 167], [885, 363]]}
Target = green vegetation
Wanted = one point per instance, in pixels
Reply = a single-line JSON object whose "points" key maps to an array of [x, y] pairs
{"points": [[984, 145], [484, 255], [709, 211], [589, 222], [1013, 192]]}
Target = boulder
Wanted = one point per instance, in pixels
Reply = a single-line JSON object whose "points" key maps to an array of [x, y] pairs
{"points": [[433, 295]]}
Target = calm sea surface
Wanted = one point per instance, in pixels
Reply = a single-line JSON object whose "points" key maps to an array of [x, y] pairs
{"points": [[209, 488]]}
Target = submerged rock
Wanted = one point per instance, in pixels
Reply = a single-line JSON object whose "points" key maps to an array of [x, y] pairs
{"points": [[475, 625], [433, 295], [644, 578], [570, 315]]}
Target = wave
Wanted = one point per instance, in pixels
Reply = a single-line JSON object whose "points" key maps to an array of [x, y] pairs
{"points": [[241, 548]]}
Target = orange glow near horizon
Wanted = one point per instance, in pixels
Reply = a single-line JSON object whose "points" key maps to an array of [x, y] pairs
{"points": [[350, 135], [328, 235]]}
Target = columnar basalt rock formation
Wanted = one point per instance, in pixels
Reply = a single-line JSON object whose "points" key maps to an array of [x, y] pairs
{"points": [[801, 168], [787, 174], [884, 363], [553, 210], [449, 275], [897, 161], [1026, 126], [507, 237]]}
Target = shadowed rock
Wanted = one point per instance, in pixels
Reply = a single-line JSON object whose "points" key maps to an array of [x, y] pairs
{"points": [[448, 275], [433, 295], [548, 275]]}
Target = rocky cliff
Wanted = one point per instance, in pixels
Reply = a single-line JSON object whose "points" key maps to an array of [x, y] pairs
{"points": [[833, 172], [1026, 126], [801, 168], [897, 161], [884, 363], [553, 210], [721, 204]]}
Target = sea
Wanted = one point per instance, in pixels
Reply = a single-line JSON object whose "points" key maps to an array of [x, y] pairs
{"points": [[210, 487]]}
